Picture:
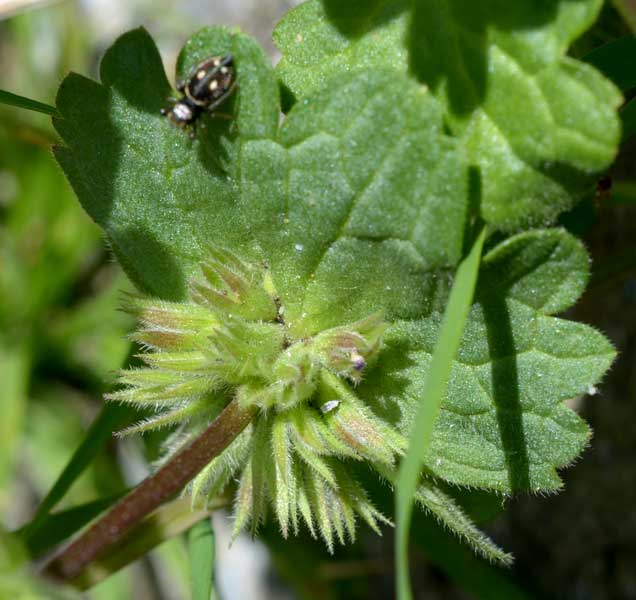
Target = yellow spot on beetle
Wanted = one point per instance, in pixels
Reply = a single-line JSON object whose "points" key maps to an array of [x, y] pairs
{"points": [[200, 74], [213, 84]]}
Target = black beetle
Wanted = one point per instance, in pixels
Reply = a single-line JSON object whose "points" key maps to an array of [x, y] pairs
{"points": [[207, 85]]}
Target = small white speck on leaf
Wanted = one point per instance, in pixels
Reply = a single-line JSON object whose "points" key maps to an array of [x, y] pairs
{"points": [[329, 406]]}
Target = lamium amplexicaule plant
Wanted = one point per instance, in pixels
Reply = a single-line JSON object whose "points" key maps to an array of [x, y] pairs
{"points": [[234, 341], [297, 268]]}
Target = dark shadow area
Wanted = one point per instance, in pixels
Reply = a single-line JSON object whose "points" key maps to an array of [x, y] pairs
{"points": [[505, 383], [390, 379], [314, 574], [439, 557], [134, 68], [92, 154], [160, 269], [97, 139], [218, 136], [287, 98], [447, 40], [448, 47], [365, 568], [84, 106], [355, 18], [473, 208], [577, 183]]}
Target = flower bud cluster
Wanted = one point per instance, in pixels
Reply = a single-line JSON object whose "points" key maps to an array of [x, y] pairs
{"points": [[230, 341]]}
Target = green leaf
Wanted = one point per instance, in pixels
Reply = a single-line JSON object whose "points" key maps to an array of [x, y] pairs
{"points": [[433, 392], [382, 201], [359, 204], [21, 102], [201, 544], [488, 67], [160, 196], [515, 367], [354, 218]]}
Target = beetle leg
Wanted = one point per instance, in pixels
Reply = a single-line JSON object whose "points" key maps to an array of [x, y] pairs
{"points": [[192, 130]]}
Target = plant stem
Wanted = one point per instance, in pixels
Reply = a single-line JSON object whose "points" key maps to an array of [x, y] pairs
{"points": [[171, 519], [150, 493]]}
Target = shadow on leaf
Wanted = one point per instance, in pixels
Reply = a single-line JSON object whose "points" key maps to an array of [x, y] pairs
{"points": [[505, 391], [448, 40], [164, 276], [388, 381]]}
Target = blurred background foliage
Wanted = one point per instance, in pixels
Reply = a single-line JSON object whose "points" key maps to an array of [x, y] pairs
{"points": [[62, 338]]}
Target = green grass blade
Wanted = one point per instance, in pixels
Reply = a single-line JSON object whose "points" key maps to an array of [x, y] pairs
{"points": [[59, 526], [111, 418], [22, 102], [450, 335], [201, 547], [616, 61]]}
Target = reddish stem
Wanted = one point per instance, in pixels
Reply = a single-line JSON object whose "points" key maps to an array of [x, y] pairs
{"points": [[150, 494]]}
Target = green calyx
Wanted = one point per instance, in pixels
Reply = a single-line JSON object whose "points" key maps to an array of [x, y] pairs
{"points": [[231, 340]]}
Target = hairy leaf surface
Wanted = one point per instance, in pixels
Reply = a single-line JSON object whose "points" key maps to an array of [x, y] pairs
{"points": [[160, 196], [356, 217], [516, 367], [537, 123]]}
